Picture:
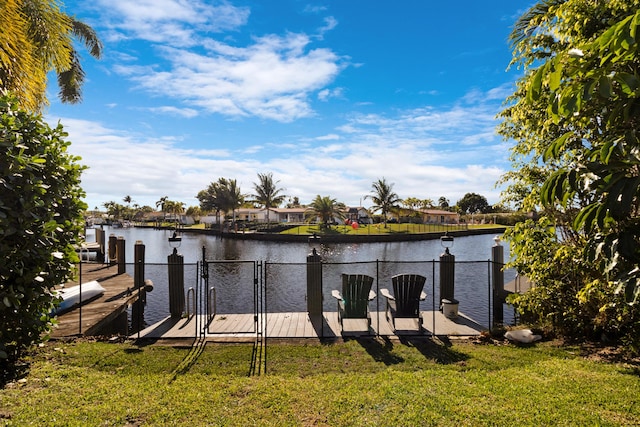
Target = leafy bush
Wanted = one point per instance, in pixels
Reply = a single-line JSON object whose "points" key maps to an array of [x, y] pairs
{"points": [[571, 297], [40, 222]]}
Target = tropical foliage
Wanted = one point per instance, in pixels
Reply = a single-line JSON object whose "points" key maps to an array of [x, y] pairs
{"points": [[326, 209], [575, 119], [221, 196], [267, 193], [473, 203], [383, 198], [36, 38], [40, 224]]}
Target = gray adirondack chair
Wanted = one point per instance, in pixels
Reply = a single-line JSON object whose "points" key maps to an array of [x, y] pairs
{"points": [[405, 301], [353, 301]]}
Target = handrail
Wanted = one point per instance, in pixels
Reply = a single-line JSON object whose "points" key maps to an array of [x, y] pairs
{"points": [[85, 249], [191, 292], [211, 312]]}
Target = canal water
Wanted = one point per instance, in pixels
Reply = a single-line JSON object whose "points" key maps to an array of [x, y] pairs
{"points": [[286, 269]]}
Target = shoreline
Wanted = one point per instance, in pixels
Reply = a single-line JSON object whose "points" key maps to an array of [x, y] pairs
{"points": [[339, 238]]}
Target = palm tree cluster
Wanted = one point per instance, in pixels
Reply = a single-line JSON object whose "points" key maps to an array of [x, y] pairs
{"points": [[221, 196], [224, 196]]}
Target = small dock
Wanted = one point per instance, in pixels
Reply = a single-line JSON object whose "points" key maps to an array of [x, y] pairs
{"points": [[295, 325], [99, 312], [519, 285]]}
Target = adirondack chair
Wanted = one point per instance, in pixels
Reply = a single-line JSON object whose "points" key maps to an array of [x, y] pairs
{"points": [[353, 302], [405, 301]]}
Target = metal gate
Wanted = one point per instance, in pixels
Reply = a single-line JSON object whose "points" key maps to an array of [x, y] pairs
{"points": [[241, 285]]}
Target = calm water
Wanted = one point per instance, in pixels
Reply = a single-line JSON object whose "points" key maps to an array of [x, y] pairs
{"points": [[285, 269]]}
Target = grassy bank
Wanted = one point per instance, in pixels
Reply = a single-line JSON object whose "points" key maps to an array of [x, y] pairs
{"points": [[358, 382], [377, 229], [371, 229]]}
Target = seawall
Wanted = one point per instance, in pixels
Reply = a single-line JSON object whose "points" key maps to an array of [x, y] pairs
{"points": [[345, 238]]}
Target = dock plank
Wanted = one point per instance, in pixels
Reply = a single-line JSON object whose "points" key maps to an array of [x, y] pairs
{"points": [[293, 325], [99, 312]]}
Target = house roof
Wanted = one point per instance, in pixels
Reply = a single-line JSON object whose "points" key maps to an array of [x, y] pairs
{"points": [[289, 210], [437, 212]]}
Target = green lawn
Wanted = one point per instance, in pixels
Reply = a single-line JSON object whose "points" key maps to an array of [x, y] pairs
{"points": [[356, 383], [373, 229]]}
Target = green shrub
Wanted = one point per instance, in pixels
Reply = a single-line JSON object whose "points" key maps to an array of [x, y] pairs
{"points": [[571, 297], [40, 222]]}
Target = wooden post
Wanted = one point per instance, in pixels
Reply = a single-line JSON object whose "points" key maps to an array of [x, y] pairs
{"points": [[100, 241], [176, 284], [447, 275], [497, 257], [138, 268], [137, 309], [314, 283], [112, 249], [120, 255]]}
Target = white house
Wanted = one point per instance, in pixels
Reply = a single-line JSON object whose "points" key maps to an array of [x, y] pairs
{"points": [[284, 215]]}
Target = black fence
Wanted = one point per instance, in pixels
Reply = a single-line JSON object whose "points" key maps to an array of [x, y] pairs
{"points": [[273, 296]]}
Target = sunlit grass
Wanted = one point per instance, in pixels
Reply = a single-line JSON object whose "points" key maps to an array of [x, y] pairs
{"points": [[359, 382], [373, 229]]}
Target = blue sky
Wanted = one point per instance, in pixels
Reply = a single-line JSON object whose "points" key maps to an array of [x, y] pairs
{"points": [[329, 96]]}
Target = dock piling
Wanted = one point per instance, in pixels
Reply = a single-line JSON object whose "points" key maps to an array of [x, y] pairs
{"points": [[100, 240], [120, 255], [137, 309], [176, 284], [314, 283], [112, 249], [499, 295]]}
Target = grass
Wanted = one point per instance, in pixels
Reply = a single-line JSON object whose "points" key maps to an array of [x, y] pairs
{"points": [[369, 382], [373, 229]]}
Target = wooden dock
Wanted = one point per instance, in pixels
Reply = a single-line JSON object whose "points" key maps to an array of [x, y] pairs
{"points": [[295, 325], [102, 311], [519, 285]]}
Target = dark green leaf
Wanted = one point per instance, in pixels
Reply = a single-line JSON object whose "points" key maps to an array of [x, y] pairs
{"points": [[554, 148], [606, 150], [628, 82], [604, 87], [536, 85]]}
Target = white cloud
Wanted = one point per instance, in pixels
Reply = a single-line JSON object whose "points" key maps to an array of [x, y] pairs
{"points": [[271, 78], [174, 22], [328, 137], [182, 112], [329, 24], [326, 94], [426, 153]]}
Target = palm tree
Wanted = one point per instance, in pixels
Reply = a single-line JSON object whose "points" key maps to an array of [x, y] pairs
{"points": [[384, 198], [326, 209], [36, 38], [70, 80], [267, 192], [223, 196], [160, 204], [228, 196], [443, 202], [174, 208], [235, 197]]}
